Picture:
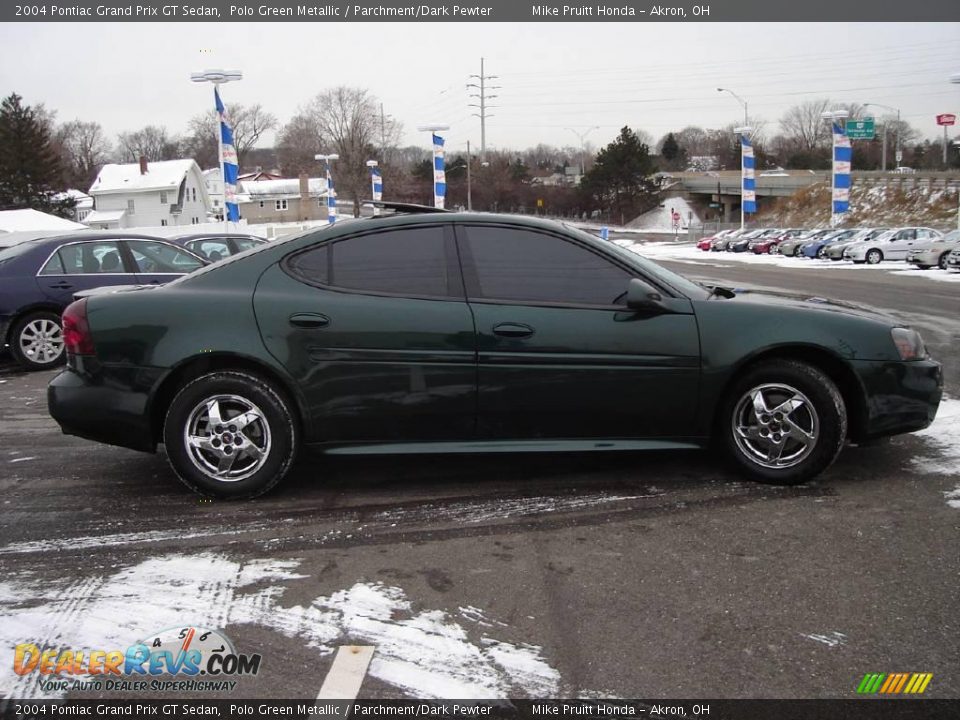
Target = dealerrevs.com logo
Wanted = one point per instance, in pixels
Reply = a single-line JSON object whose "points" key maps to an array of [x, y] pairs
{"points": [[187, 658]]}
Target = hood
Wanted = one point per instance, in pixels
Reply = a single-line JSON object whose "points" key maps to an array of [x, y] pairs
{"points": [[810, 302]]}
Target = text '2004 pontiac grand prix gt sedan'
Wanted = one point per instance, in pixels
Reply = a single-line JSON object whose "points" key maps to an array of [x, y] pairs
{"points": [[444, 332]]}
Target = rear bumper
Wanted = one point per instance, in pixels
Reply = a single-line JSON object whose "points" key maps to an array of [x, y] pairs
{"points": [[902, 397], [110, 408]]}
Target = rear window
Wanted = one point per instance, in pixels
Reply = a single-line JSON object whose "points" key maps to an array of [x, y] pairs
{"points": [[8, 254]]}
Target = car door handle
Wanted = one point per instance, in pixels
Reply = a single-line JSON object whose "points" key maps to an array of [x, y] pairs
{"points": [[512, 330], [62, 285], [309, 320]]}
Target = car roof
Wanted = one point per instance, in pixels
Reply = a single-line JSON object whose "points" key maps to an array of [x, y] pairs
{"points": [[90, 235], [215, 236]]}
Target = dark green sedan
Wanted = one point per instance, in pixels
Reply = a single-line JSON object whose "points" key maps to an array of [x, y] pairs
{"points": [[441, 332]]}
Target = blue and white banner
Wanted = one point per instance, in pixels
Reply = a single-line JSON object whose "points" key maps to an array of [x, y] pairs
{"points": [[439, 172], [228, 161], [748, 182], [331, 197], [376, 181], [842, 161]]}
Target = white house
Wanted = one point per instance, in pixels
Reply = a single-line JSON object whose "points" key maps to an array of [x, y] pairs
{"points": [[169, 192], [213, 180]]}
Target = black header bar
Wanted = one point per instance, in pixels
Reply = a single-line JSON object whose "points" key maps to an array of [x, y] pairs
{"points": [[483, 11]]}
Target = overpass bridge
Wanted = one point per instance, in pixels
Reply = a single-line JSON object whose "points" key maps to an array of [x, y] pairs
{"points": [[721, 188]]}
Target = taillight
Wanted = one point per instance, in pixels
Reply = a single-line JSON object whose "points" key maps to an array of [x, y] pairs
{"points": [[76, 331]]}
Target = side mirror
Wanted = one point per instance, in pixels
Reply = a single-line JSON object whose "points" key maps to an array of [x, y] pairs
{"points": [[642, 296]]}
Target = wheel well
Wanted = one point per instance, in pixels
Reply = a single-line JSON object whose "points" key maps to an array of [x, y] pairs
{"points": [[24, 313], [202, 365], [833, 367]]}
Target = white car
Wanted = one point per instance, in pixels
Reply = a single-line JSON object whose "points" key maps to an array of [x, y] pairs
{"points": [[894, 244]]}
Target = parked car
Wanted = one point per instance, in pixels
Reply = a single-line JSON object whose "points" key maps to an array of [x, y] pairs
{"points": [[935, 252], [953, 260], [742, 243], [769, 244], [216, 246], [891, 245], [817, 248], [835, 250], [708, 241], [38, 279], [721, 243], [468, 333], [791, 247]]}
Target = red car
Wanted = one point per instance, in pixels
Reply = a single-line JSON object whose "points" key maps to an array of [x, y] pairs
{"points": [[705, 243], [769, 244]]}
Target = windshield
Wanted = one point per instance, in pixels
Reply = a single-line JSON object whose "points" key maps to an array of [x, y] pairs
{"points": [[671, 279], [885, 235]]}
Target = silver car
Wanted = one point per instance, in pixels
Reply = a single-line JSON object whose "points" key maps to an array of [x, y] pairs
{"points": [[934, 253], [891, 245]]}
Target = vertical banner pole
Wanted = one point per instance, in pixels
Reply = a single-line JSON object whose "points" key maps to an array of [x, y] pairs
{"points": [[439, 173]]}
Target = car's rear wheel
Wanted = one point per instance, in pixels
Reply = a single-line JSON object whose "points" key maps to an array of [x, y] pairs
{"points": [[784, 422], [874, 256], [230, 434], [36, 341]]}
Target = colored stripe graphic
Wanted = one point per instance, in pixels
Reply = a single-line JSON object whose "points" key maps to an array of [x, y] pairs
{"points": [[894, 683]]}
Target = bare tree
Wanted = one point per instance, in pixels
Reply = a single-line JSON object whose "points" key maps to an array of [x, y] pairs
{"points": [[85, 150], [804, 127], [152, 142], [249, 123], [346, 121], [297, 142]]}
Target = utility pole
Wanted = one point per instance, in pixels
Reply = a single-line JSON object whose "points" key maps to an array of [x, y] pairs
{"points": [[469, 188], [483, 96]]}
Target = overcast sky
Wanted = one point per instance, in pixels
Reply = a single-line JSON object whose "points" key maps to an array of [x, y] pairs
{"points": [[552, 76]]}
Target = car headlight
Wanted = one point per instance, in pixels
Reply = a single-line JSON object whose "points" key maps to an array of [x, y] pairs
{"points": [[909, 343]]}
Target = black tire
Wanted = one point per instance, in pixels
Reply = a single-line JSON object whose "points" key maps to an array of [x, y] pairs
{"points": [[821, 253], [254, 460], [873, 256], [820, 411], [942, 262], [36, 341]]}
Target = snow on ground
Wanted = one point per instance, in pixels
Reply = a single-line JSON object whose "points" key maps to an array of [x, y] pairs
{"points": [[425, 653], [686, 252], [660, 219], [941, 437]]}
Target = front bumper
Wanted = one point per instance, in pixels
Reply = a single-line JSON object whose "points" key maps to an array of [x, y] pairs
{"points": [[110, 407], [901, 397]]}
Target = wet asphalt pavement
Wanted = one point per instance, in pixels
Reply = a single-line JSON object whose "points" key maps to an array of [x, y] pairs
{"points": [[612, 575]]}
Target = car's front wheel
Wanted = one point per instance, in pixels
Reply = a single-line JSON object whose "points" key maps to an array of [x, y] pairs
{"points": [[784, 422], [942, 262], [36, 341], [873, 257], [230, 434]]}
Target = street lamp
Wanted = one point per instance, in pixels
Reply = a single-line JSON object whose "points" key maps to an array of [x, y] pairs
{"points": [[331, 193], [439, 176], [742, 132], [833, 116], [583, 136], [220, 77], [746, 120], [899, 155]]}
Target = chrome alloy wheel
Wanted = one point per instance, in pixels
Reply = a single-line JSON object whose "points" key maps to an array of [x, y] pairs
{"points": [[41, 341], [775, 426], [227, 437]]}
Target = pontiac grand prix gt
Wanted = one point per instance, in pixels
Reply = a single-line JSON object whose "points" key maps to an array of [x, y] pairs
{"points": [[442, 332]]}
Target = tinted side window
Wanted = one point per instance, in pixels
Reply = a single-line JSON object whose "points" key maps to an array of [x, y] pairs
{"points": [[246, 243], [53, 266], [523, 265], [401, 262], [207, 248]]}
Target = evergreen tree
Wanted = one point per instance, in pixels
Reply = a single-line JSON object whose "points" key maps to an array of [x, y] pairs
{"points": [[29, 166], [620, 180], [670, 148]]}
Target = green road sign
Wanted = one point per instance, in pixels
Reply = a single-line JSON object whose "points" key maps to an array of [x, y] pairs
{"points": [[860, 129], [714, 205]]}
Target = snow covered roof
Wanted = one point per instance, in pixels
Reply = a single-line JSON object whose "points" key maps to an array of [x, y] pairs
{"points": [[17, 220], [102, 216], [287, 187], [161, 175]]}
